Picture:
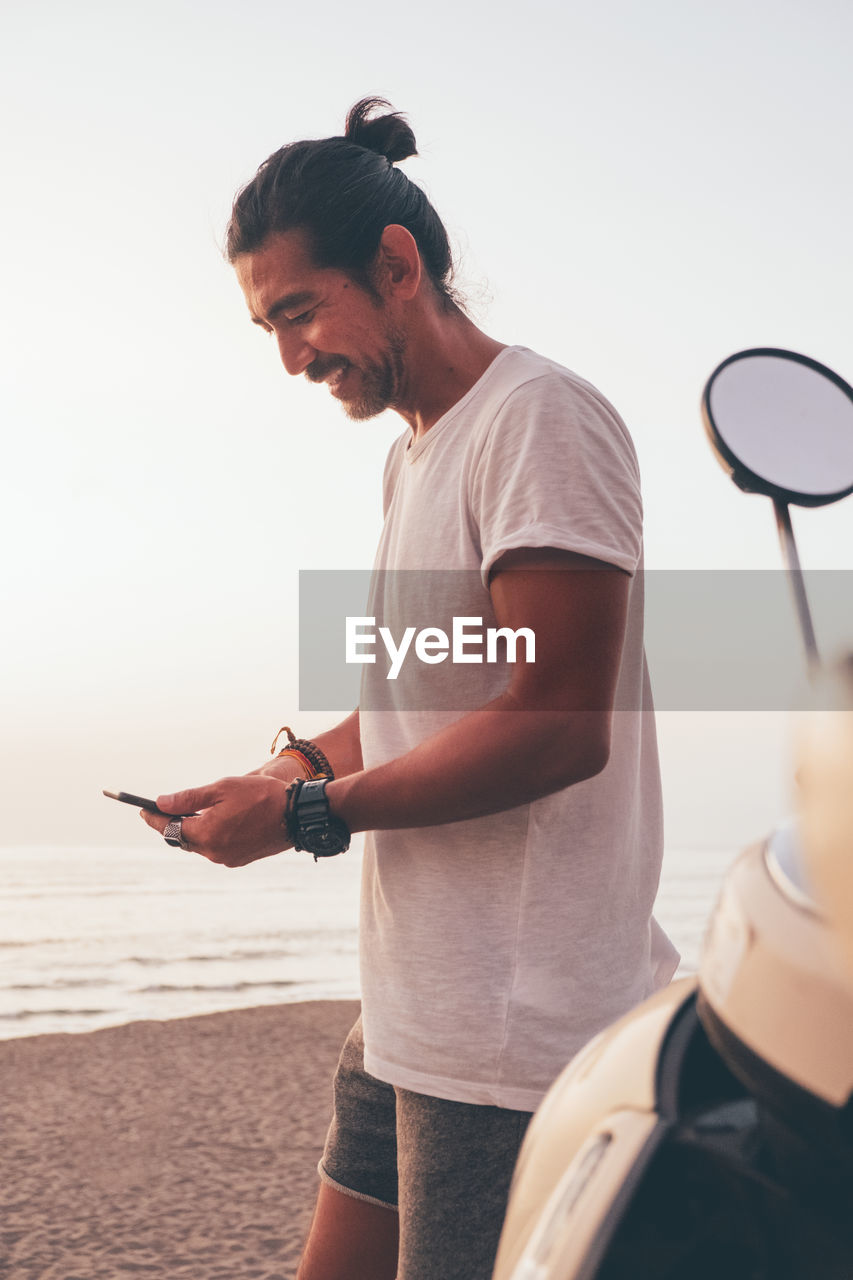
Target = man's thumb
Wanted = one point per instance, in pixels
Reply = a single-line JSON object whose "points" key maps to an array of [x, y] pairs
{"points": [[188, 802]]}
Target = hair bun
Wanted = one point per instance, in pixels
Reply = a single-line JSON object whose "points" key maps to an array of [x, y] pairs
{"points": [[388, 135]]}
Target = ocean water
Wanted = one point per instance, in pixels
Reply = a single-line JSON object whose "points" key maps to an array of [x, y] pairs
{"points": [[96, 938]]}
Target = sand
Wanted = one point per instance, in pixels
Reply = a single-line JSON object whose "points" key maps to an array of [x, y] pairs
{"points": [[179, 1149]]}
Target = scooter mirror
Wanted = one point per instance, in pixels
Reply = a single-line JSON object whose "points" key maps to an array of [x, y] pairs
{"points": [[781, 424]]}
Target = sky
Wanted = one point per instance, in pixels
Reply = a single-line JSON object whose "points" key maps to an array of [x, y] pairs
{"points": [[636, 190]]}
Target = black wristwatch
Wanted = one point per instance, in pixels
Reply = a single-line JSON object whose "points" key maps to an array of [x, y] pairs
{"points": [[312, 826]]}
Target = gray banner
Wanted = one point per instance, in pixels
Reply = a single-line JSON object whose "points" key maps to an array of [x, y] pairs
{"points": [[715, 640]]}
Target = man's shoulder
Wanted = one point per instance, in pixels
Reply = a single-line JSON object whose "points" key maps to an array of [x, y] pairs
{"points": [[522, 394], [534, 396], [527, 375]]}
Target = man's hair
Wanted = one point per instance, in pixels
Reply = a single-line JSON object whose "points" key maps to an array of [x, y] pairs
{"points": [[343, 192]]}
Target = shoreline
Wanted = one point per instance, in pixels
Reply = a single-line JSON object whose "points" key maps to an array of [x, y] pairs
{"points": [[183, 1148], [130, 1021]]}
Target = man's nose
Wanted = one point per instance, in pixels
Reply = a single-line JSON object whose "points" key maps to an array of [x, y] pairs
{"points": [[295, 352]]}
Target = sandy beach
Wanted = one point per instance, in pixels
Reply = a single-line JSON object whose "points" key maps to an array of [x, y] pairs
{"points": [[181, 1149]]}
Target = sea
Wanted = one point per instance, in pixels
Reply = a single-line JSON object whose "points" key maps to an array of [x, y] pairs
{"points": [[92, 938]]}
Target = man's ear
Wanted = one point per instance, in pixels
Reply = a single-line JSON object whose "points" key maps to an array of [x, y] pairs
{"points": [[398, 263]]}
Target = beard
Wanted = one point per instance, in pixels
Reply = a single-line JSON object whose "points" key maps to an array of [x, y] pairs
{"points": [[381, 380]]}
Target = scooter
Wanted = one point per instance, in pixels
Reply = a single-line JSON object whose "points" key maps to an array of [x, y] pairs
{"points": [[709, 1133]]}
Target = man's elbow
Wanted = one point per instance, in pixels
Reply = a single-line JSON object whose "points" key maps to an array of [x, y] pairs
{"points": [[580, 752], [591, 760]]}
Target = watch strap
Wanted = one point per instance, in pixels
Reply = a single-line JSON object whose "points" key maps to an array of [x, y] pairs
{"points": [[310, 824]]}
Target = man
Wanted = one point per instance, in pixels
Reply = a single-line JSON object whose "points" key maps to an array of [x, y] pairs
{"points": [[514, 828]]}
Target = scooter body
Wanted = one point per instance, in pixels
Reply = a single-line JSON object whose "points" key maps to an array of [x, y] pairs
{"points": [[708, 1133]]}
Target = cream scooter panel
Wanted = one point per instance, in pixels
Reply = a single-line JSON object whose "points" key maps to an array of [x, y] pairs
{"points": [[825, 777], [586, 1142]]}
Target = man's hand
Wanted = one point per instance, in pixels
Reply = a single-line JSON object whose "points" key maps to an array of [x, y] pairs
{"points": [[235, 821]]}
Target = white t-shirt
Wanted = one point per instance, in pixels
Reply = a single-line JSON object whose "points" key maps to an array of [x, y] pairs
{"points": [[492, 949]]}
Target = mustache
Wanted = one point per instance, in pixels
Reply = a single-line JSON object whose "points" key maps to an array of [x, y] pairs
{"points": [[319, 369]]}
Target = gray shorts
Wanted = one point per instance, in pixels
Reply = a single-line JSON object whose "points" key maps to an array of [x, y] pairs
{"points": [[445, 1166]]}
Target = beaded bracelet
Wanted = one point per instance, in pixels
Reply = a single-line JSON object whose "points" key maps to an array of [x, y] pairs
{"points": [[307, 753]]}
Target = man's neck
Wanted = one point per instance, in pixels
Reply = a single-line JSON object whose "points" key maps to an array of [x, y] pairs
{"points": [[445, 355]]}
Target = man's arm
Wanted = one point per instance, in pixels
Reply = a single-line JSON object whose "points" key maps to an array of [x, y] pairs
{"points": [[551, 727]]}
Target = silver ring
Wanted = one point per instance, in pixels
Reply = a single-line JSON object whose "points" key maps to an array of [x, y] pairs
{"points": [[173, 834]]}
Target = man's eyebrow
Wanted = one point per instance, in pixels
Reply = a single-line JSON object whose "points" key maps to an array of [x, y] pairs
{"points": [[290, 302]]}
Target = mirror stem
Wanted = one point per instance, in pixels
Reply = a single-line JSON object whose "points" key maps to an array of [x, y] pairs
{"points": [[798, 587]]}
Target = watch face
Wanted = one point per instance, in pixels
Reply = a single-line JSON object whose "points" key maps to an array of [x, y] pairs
{"points": [[325, 844], [317, 831]]}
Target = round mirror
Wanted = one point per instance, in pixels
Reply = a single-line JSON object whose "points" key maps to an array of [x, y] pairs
{"points": [[782, 424]]}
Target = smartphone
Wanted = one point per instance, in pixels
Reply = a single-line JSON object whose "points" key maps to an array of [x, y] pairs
{"points": [[138, 801]]}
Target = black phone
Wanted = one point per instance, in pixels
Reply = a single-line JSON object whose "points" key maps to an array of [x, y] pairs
{"points": [[138, 801]]}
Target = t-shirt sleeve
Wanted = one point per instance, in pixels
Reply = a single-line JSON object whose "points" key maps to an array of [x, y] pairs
{"points": [[557, 468]]}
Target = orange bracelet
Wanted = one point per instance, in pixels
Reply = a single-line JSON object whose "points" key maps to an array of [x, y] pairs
{"points": [[310, 772]]}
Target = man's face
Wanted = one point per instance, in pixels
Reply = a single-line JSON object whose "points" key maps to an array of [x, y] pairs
{"points": [[327, 326]]}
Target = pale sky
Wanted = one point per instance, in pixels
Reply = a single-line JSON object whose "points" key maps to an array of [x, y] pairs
{"points": [[636, 190]]}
